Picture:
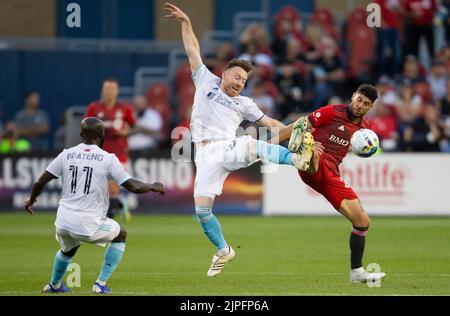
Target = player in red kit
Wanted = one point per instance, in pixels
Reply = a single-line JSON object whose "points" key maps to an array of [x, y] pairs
{"points": [[332, 127], [118, 118]]}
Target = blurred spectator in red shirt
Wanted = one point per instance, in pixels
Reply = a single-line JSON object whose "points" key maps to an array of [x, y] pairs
{"points": [[388, 39], [420, 15]]}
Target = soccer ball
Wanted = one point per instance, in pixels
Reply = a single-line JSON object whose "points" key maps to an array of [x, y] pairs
{"points": [[364, 143]]}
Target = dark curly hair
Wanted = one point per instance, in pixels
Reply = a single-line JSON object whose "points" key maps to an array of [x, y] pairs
{"points": [[368, 91]]}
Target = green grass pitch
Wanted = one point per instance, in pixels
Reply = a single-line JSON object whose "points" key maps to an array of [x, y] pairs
{"points": [[169, 255]]}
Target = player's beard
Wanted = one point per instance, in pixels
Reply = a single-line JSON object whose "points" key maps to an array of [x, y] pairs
{"points": [[355, 114]]}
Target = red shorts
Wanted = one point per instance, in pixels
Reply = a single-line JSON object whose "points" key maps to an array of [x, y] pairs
{"points": [[330, 185]]}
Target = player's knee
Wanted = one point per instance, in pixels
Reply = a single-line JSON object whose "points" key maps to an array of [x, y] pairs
{"points": [[121, 237], [363, 222], [367, 223], [204, 213], [71, 252]]}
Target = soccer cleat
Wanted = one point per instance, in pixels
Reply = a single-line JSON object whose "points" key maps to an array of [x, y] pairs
{"points": [[296, 139], [50, 289], [362, 276], [218, 263], [100, 289], [302, 158]]}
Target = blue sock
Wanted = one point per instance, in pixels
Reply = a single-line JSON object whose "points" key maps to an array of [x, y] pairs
{"points": [[211, 226], [113, 255], [60, 267], [274, 153]]}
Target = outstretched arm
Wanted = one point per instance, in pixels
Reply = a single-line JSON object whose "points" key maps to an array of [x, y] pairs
{"points": [[45, 178], [267, 121], [139, 187], [190, 42], [283, 136]]}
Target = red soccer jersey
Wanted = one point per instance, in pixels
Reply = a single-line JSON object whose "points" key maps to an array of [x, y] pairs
{"points": [[333, 128], [389, 13], [423, 10], [115, 119]]}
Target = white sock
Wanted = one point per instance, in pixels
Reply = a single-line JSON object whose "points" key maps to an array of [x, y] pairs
{"points": [[224, 251], [102, 283], [359, 269]]}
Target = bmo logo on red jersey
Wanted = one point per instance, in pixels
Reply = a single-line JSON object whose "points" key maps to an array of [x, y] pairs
{"points": [[338, 140]]}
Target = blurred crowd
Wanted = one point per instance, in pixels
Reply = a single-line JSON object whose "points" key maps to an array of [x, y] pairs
{"points": [[300, 65]]}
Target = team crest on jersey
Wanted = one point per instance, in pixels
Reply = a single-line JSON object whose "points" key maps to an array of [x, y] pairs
{"points": [[210, 95]]}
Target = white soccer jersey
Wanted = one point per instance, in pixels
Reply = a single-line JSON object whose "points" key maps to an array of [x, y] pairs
{"points": [[216, 115], [85, 198]]}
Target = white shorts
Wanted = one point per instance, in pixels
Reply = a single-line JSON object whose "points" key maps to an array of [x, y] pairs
{"points": [[107, 232], [215, 161]]}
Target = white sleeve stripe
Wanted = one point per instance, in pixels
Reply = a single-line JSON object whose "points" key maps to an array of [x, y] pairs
{"points": [[259, 118], [126, 179], [53, 173], [196, 71]]}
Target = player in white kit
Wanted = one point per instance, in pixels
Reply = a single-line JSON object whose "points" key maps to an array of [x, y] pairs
{"points": [[81, 217], [217, 112]]}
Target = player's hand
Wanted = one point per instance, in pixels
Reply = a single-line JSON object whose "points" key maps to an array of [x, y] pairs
{"points": [[29, 205], [158, 188], [175, 12]]}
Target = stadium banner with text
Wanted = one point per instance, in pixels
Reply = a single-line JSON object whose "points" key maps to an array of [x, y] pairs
{"points": [[242, 192], [387, 184]]}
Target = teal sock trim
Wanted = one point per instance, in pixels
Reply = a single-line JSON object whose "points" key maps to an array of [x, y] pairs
{"points": [[60, 267], [211, 226], [274, 153], [113, 255]]}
